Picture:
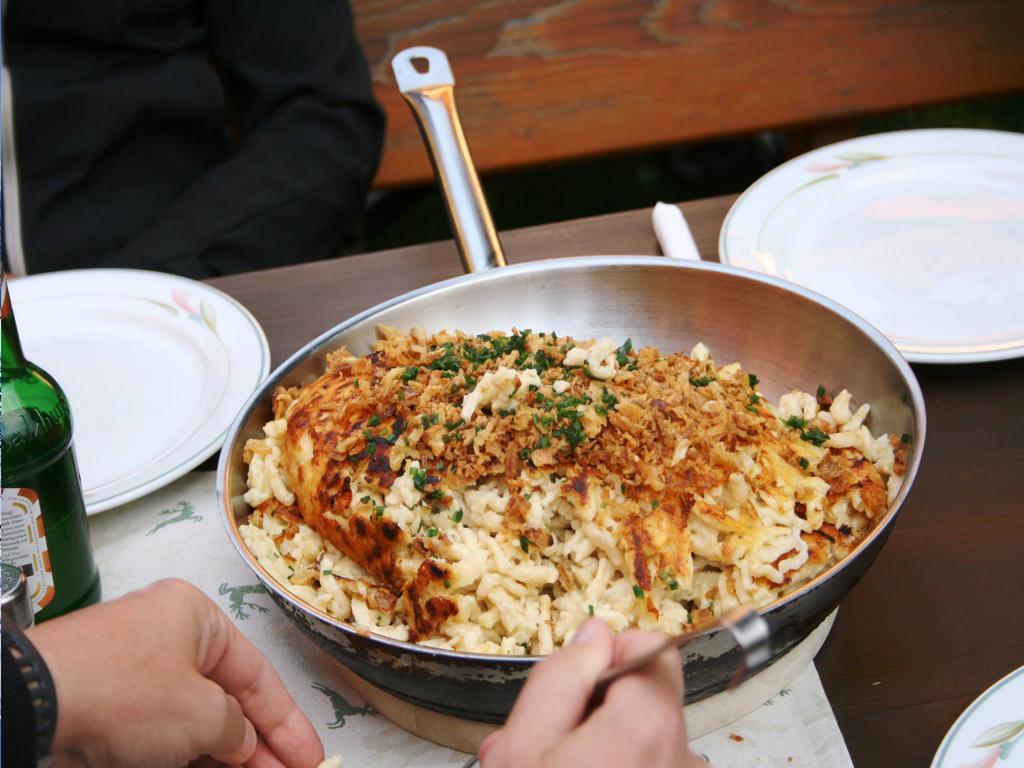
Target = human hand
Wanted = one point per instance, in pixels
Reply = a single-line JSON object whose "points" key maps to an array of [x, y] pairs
{"points": [[160, 677], [639, 724]]}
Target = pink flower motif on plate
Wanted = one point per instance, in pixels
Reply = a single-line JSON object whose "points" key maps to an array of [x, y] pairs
{"points": [[205, 315], [180, 298], [828, 167], [990, 759]]}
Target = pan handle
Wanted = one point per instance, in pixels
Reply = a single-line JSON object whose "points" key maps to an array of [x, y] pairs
{"points": [[429, 90]]}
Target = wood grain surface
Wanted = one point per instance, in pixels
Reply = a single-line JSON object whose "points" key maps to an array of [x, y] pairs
{"points": [[938, 617], [541, 81]]}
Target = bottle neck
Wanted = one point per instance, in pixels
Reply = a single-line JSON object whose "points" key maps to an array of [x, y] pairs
{"points": [[11, 345]]}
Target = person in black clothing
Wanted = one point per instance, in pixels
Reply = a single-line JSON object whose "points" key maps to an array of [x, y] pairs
{"points": [[200, 138]]}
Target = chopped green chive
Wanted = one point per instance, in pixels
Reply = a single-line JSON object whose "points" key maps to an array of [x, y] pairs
{"points": [[590, 610], [608, 399], [447, 362], [622, 353], [804, 463], [447, 583], [905, 438], [430, 420], [795, 422], [457, 517], [638, 592], [572, 432], [655, 504], [419, 478], [814, 435], [379, 509], [373, 421], [410, 373], [669, 580], [327, 572], [701, 381], [524, 543], [431, 531], [752, 380], [821, 391]]}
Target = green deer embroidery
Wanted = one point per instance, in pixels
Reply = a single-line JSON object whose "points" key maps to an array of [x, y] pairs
{"points": [[238, 603], [183, 511], [781, 694], [342, 708]]}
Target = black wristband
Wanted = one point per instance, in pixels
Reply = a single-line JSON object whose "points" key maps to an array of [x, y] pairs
{"points": [[36, 676]]}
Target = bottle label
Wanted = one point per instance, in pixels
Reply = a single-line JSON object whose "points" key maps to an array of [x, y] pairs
{"points": [[24, 543]]}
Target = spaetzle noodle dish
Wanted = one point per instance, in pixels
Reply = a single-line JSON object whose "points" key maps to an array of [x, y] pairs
{"points": [[489, 493]]}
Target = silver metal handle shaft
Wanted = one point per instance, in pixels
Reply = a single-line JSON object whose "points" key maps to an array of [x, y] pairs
{"points": [[431, 96]]}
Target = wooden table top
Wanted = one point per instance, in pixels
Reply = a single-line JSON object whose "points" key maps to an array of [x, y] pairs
{"points": [[938, 617]]}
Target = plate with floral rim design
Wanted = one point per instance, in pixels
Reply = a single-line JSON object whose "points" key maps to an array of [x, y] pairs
{"points": [[990, 730], [919, 232], [155, 368]]}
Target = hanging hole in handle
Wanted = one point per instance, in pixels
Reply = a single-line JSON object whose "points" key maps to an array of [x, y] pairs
{"points": [[421, 67]]}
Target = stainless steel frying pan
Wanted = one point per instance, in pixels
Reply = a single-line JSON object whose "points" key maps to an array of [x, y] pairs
{"points": [[790, 337]]}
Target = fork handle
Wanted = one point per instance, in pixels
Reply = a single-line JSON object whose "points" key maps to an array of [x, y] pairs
{"points": [[747, 627]]}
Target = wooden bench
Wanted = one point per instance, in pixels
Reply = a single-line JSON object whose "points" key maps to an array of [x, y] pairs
{"points": [[546, 81]]}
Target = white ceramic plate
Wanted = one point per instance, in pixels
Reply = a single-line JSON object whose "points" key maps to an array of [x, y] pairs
{"points": [[155, 368], [990, 731], [920, 232]]}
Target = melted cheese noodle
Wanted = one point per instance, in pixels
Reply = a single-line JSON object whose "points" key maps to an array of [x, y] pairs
{"points": [[490, 493]]}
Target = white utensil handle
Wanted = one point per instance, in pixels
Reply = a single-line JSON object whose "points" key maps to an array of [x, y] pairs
{"points": [[673, 233]]}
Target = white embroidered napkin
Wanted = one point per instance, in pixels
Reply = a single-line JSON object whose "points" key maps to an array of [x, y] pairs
{"points": [[177, 532]]}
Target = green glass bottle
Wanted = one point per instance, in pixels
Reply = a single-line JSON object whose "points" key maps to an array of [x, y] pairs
{"points": [[45, 530]]}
